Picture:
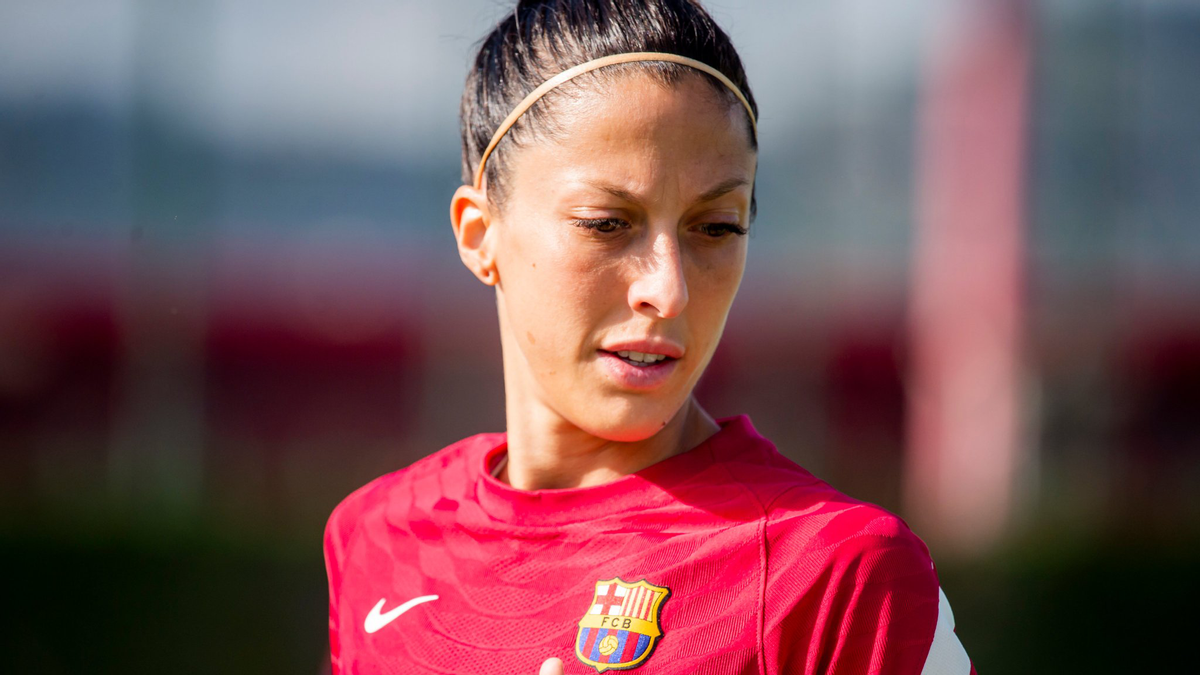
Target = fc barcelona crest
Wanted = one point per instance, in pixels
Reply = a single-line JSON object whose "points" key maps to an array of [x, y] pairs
{"points": [[620, 629]]}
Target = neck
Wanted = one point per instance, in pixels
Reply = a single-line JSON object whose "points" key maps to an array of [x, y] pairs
{"points": [[548, 452]]}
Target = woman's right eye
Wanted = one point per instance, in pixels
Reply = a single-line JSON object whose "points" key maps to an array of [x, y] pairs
{"points": [[603, 225]]}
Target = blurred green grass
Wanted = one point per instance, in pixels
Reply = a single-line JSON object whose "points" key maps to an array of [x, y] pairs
{"points": [[203, 597], [1062, 602], [155, 599]]}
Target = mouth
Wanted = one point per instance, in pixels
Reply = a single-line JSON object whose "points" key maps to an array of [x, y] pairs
{"points": [[639, 359]]}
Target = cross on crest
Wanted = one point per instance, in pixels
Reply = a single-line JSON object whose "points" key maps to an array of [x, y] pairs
{"points": [[610, 598]]}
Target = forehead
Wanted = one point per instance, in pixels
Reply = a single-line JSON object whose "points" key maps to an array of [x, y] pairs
{"points": [[632, 97], [638, 124]]}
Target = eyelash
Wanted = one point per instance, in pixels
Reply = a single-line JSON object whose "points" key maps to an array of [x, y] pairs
{"points": [[596, 224], [714, 230], [722, 228]]}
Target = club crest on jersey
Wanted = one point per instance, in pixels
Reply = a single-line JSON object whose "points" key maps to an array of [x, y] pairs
{"points": [[621, 628]]}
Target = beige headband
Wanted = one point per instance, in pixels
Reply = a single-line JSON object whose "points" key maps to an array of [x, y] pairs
{"points": [[589, 66]]}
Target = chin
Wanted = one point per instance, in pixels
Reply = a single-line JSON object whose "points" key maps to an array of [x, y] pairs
{"points": [[628, 421]]}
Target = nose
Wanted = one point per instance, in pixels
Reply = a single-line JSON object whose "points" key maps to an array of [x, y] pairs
{"points": [[659, 287]]}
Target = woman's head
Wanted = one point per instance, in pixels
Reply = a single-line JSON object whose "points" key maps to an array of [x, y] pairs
{"points": [[613, 214], [542, 38]]}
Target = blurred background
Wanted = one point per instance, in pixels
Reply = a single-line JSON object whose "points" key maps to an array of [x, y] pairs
{"points": [[229, 295]]}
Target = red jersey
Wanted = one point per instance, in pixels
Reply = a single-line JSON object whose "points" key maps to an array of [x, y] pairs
{"points": [[726, 559]]}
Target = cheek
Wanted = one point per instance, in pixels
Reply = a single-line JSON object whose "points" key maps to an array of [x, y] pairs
{"points": [[556, 295], [714, 281]]}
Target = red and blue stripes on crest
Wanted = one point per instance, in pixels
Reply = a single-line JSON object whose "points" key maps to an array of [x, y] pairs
{"points": [[630, 645]]}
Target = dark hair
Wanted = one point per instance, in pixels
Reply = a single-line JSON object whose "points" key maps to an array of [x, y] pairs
{"points": [[541, 38]]}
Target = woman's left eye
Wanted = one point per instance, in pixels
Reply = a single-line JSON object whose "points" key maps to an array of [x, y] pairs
{"points": [[716, 230]]}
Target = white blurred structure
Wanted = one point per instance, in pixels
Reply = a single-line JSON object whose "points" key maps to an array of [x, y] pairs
{"points": [[966, 444]]}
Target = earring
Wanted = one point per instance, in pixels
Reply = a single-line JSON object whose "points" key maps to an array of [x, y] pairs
{"points": [[489, 276]]}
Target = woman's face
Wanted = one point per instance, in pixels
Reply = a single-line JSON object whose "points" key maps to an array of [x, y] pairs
{"points": [[619, 250]]}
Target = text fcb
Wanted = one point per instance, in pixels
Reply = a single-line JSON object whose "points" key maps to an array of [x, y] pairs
{"points": [[621, 626]]}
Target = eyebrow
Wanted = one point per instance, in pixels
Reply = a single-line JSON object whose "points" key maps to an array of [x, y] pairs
{"points": [[723, 189], [719, 190]]}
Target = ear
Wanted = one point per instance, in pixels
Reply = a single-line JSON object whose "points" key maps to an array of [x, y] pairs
{"points": [[472, 220]]}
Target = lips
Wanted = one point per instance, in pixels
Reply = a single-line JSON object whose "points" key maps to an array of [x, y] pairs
{"points": [[656, 346], [627, 375], [640, 358]]}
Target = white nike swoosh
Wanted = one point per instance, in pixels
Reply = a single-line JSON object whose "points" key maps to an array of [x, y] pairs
{"points": [[376, 619]]}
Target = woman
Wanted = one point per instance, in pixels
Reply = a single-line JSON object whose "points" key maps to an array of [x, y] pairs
{"points": [[609, 152]]}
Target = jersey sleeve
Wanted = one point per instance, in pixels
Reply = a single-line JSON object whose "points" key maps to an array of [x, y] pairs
{"points": [[859, 596], [339, 530]]}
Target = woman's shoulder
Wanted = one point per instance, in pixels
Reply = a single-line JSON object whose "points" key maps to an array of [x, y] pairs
{"points": [[803, 510], [857, 580], [449, 469], [788, 494], [850, 578], [820, 540], [818, 522]]}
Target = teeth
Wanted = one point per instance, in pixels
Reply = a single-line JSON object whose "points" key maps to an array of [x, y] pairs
{"points": [[640, 357]]}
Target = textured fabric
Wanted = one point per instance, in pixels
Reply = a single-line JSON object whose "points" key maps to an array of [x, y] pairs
{"points": [[752, 566]]}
